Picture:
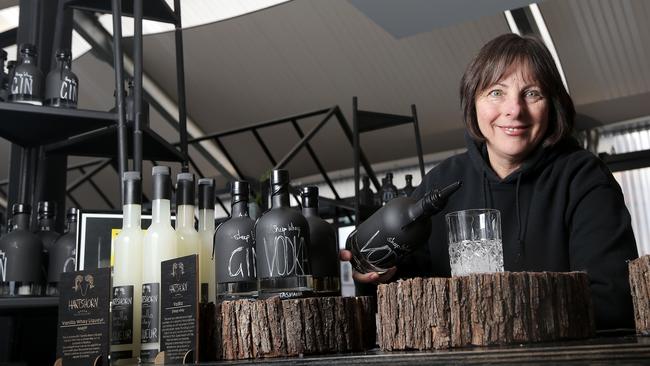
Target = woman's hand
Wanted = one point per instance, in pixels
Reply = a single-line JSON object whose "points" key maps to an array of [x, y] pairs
{"points": [[371, 277]]}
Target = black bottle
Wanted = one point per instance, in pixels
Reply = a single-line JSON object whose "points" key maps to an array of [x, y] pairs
{"points": [[366, 196], [388, 189], [63, 253], [393, 231], [27, 80], [20, 257], [62, 85], [282, 244], [323, 248], [4, 78], [46, 212], [234, 251], [408, 188]]}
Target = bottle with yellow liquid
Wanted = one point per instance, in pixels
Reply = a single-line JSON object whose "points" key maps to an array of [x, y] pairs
{"points": [[127, 276], [206, 232], [186, 235]]}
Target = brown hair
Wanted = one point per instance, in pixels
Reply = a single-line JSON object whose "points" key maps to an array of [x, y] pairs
{"points": [[494, 60]]}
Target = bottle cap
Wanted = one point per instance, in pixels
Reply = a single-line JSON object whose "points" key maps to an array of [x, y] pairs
{"points": [[240, 188], [46, 208], [280, 176], [184, 189], [63, 54], [71, 214], [206, 193], [162, 182], [309, 197], [132, 188], [28, 49], [21, 208]]}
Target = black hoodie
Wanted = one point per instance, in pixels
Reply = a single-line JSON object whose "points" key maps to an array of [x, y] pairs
{"points": [[561, 211]]}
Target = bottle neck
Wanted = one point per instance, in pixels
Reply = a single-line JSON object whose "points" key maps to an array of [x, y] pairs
{"points": [[27, 60], [131, 216], [20, 222], [160, 211], [71, 226], [240, 208], [310, 211], [46, 223], [280, 195], [185, 216], [206, 220]]}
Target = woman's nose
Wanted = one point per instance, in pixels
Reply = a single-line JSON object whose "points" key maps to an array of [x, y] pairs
{"points": [[513, 106]]}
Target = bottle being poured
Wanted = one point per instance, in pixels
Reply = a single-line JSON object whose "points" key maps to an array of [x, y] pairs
{"points": [[392, 232]]}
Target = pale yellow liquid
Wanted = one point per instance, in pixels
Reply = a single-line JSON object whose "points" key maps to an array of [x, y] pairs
{"points": [[126, 272], [187, 237], [207, 272], [159, 245]]}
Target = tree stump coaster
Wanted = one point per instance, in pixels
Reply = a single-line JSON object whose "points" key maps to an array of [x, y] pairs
{"points": [[281, 328], [640, 286], [484, 309]]}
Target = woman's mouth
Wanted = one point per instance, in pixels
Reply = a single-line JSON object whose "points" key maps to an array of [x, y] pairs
{"points": [[513, 130]]}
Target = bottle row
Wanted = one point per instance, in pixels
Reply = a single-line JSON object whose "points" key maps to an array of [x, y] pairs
{"points": [[388, 191], [31, 263], [23, 82], [285, 253]]}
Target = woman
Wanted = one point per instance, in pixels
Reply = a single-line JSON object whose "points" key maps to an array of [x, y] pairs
{"points": [[561, 208]]}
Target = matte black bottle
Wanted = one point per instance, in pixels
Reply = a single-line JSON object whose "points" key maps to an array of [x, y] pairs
{"points": [[63, 253], [388, 189], [323, 248], [46, 212], [27, 80], [62, 85], [234, 249], [20, 257], [366, 196], [282, 244], [395, 230], [4, 78], [408, 188]]}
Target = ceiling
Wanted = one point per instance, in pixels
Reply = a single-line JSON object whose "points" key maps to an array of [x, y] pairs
{"points": [[304, 55]]}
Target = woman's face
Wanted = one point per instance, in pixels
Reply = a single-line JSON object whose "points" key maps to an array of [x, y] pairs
{"points": [[512, 115]]}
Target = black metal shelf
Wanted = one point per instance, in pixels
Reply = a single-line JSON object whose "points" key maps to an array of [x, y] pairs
{"points": [[31, 125], [626, 161], [103, 143], [19, 303], [157, 10]]}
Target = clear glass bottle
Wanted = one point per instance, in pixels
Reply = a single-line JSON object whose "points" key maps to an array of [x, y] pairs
{"points": [[234, 252], [62, 85], [206, 232], [282, 245], [323, 249], [187, 237], [388, 189], [408, 188], [20, 257], [27, 80], [395, 230], [46, 211], [63, 255], [159, 244], [126, 307]]}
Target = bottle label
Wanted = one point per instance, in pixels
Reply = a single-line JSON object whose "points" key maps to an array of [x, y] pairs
{"points": [[150, 312], [283, 252], [237, 260], [23, 83], [68, 90], [122, 318]]}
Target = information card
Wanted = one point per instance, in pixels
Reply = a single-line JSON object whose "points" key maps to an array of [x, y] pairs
{"points": [[179, 309], [84, 301]]}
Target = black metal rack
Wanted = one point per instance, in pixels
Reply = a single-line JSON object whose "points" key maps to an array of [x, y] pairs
{"points": [[366, 121]]}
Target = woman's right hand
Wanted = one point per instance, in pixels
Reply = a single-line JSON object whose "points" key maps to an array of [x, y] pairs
{"points": [[371, 277]]}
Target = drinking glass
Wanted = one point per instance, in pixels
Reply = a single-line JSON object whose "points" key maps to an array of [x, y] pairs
{"points": [[475, 241]]}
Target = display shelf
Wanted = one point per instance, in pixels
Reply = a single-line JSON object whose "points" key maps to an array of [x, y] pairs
{"points": [[157, 10], [103, 143], [31, 125], [19, 303]]}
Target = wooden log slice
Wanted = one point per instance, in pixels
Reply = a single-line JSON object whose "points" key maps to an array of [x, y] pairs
{"points": [[484, 309], [640, 286], [280, 328]]}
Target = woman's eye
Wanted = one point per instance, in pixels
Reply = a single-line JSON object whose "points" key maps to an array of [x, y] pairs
{"points": [[495, 93], [533, 94]]}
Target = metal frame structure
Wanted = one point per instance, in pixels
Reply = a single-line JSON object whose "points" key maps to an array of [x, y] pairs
{"points": [[366, 121]]}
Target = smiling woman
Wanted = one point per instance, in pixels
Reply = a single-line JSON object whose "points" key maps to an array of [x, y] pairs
{"points": [[561, 209]]}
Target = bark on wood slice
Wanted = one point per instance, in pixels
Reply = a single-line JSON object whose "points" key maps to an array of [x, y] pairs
{"points": [[484, 309], [275, 328], [640, 285]]}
